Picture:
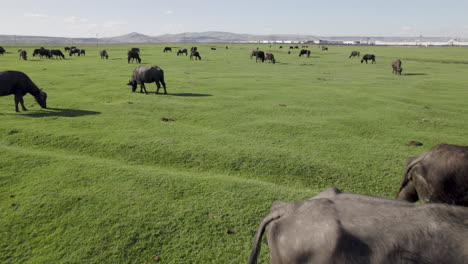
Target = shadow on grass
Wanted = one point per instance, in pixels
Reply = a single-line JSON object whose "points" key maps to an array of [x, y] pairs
{"points": [[60, 112], [189, 94], [411, 74]]}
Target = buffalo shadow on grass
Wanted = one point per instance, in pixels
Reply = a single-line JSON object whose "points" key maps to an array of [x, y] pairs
{"points": [[414, 74], [189, 94], [60, 112]]}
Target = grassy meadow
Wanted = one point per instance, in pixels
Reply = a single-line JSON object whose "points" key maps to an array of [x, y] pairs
{"points": [[98, 177]]}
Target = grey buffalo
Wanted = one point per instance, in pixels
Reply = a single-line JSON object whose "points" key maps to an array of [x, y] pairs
{"points": [[195, 54], [270, 57], [23, 54], [396, 66], [103, 54], [355, 54], [338, 227], [439, 175], [253, 53], [368, 57], [147, 74], [133, 55], [19, 84]]}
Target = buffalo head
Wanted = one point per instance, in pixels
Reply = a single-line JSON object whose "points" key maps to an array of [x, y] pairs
{"points": [[41, 99]]}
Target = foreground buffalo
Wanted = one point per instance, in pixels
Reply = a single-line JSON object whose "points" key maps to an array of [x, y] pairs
{"points": [[368, 57], [19, 84], [336, 227], [396, 66], [147, 74], [355, 54], [103, 54], [439, 175], [304, 52]]}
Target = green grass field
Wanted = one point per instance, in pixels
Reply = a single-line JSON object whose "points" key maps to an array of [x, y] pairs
{"points": [[99, 178]]}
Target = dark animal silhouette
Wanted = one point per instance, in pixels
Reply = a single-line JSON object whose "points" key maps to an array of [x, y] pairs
{"points": [[304, 52], [67, 49], [2, 51], [195, 54], [74, 51], [166, 49], [213, 48], [270, 57], [324, 48], [181, 51], [439, 175], [23, 54], [135, 49], [253, 53], [147, 74], [355, 54], [82, 52], [73, 47], [291, 47], [396, 66], [193, 49], [57, 54], [19, 84], [368, 57], [133, 55], [103, 54], [260, 56], [338, 227]]}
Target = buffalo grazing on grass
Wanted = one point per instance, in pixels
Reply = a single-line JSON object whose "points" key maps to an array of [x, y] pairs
{"points": [[195, 54], [439, 175], [2, 51], [396, 66], [338, 227], [19, 84], [67, 49], [82, 52], [260, 56], [103, 54], [167, 49], [23, 54], [57, 54], [147, 74], [368, 57], [181, 51], [270, 57], [213, 48], [133, 55], [42, 52], [355, 54], [324, 48], [74, 51], [304, 52]]}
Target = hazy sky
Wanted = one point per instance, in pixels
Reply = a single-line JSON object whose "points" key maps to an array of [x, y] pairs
{"points": [[86, 18]]}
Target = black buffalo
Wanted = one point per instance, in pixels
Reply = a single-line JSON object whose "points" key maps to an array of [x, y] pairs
{"points": [[337, 227], [368, 57], [260, 56], [2, 51], [181, 51], [67, 49], [74, 51], [396, 66], [304, 52], [103, 54], [439, 175], [57, 54], [147, 74], [195, 54], [167, 49], [270, 57], [213, 48], [135, 49], [82, 52], [19, 84], [133, 55]]}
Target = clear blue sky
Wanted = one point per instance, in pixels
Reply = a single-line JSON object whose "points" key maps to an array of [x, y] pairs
{"points": [[104, 18]]}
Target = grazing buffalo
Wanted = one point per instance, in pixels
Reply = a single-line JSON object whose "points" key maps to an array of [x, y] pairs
{"points": [[270, 57], [135, 49], [57, 54], [195, 54], [439, 175], [43, 53], [82, 52], [213, 48], [193, 49], [338, 227], [103, 54], [304, 52], [368, 57], [355, 54], [147, 74], [23, 54], [166, 49], [260, 56], [74, 51], [291, 47], [2, 51], [396, 65], [19, 84], [133, 55], [324, 48], [181, 51], [67, 49], [253, 53]]}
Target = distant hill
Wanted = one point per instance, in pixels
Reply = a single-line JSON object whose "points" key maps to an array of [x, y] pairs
{"points": [[194, 37]]}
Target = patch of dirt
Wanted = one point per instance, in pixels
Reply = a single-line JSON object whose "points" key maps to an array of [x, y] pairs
{"points": [[414, 143]]}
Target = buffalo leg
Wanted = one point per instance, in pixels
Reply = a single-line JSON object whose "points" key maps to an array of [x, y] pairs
{"points": [[19, 99], [142, 87]]}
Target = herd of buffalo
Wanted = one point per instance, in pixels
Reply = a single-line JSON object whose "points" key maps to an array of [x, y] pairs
{"points": [[334, 226]]}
